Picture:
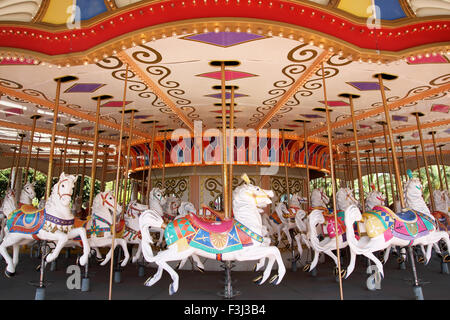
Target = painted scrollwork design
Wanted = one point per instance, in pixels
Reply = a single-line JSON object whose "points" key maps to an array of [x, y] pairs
{"points": [[338, 61], [135, 85], [10, 84], [110, 63], [142, 56], [444, 79], [190, 112], [306, 55], [278, 185], [164, 72]]}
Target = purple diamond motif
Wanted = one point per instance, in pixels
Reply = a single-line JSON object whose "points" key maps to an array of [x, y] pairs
{"points": [[224, 39], [365, 85], [84, 87], [227, 95], [447, 131], [399, 118], [312, 116], [115, 104]]}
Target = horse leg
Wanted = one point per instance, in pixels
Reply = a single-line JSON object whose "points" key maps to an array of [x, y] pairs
{"points": [[314, 261], [155, 278], [299, 245], [9, 240], [15, 254], [386, 254], [123, 244], [137, 254], [81, 232], [60, 237], [351, 265], [375, 260], [198, 262]]}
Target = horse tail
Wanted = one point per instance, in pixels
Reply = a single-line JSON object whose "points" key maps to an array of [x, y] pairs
{"points": [[351, 215], [148, 219]]}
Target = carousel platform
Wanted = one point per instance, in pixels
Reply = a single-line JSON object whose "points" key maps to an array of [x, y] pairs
{"points": [[194, 285]]}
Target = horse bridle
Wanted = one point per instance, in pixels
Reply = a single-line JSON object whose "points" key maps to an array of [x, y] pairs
{"points": [[106, 201], [132, 208], [65, 194]]}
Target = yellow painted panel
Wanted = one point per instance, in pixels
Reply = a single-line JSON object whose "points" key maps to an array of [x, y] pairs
{"points": [[57, 12], [356, 7]]}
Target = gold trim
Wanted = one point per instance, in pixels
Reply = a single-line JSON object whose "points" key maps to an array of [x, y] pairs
{"points": [[263, 27], [41, 11], [407, 9]]}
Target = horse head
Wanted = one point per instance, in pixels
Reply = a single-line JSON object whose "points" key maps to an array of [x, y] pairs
{"points": [[440, 200], [28, 192], [103, 205], [296, 200], [413, 191], [345, 198], [319, 198], [62, 191], [9, 202], [375, 198], [156, 200], [135, 209], [171, 205], [186, 208], [253, 195]]}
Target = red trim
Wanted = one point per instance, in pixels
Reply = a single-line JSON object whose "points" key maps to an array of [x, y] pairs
{"points": [[154, 14]]}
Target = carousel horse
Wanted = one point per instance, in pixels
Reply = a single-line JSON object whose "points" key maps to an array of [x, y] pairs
{"points": [[374, 198], [98, 226], [53, 223], [301, 237], [238, 238], [132, 235], [170, 207], [385, 228], [156, 202], [77, 208], [27, 195], [319, 198], [322, 216], [441, 202], [9, 204]]}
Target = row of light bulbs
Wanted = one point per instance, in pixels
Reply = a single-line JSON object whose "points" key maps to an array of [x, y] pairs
{"points": [[301, 39]]}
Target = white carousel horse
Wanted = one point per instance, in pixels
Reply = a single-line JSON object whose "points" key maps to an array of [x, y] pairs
{"points": [[385, 228], [27, 194], [98, 227], [132, 234], [344, 199], [441, 200], [9, 204], [156, 201], [216, 240], [54, 223], [170, 207], [374, 198], [319, 198]]}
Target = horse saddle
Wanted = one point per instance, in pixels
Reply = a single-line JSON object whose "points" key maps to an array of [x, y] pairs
{"points": [[210, 213], [274, 217], [292, 212], [442, 219], [28, 208], [211, 226], [330, 224]]}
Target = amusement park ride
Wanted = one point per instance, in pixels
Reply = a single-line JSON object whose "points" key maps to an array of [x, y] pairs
{"points": [[269, 131]]}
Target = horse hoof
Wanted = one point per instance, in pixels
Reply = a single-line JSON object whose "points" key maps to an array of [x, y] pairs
{"points": [[420, 259], [382, 260], [178, 266], [274, 279], [254, 268], [258, 279], [200, 269], [147, 282], [446, 258], [171, 289], [297, 257], [343, 273], [306, 267], [400, 260], [38, 268], [9, 274]]}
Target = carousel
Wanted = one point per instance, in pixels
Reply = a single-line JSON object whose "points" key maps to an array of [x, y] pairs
{"points": [[263, 136]]}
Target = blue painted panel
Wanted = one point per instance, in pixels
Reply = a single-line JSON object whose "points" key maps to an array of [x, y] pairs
{"points": [[390, 9], [91, 8]]}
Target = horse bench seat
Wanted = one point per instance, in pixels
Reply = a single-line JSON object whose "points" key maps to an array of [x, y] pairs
{"points": [[211, 226]]}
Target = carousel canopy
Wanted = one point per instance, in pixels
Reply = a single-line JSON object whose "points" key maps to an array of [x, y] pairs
{"points": [[278, 53]]}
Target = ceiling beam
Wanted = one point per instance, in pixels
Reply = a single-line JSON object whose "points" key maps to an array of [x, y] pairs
{"points": [[293, 89], [396, 131], [65, 109], [57, 146], [126, 59], [12, 125], [58, 156], [382, 155], [377, 110], [397, 144]]}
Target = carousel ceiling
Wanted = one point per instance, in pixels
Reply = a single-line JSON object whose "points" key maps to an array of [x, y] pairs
{"points": [[280, 48]]}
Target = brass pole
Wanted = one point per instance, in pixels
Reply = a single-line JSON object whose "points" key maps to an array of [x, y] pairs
{"points": [[419, 129], [55, 121], [443, 165], [95, 151], [150, 161], [227, 214], [16, 173], [36, 161], [83, 175], [418, 164], [307, 164], [130, 140], [398, 181], [285, 160], [66, 142], [369, 168], [119, 152], [105, 166], [230, 192], [355, 138], [163, 179], [372, 142], [437, 159], [60, 161], [79, 158], [405, 167], [388, 162], [385, 180], [13, 164], [143, 185], [333, 184], [30, 147]]}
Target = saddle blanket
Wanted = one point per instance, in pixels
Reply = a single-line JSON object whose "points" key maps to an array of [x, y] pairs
{"points": [[407, 226], [27, 223], [216, 243]]}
